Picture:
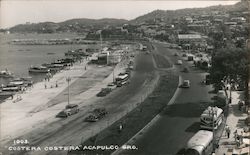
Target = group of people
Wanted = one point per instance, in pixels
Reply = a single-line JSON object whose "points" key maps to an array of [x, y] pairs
{"points": [[237, 137], [56, 85]]}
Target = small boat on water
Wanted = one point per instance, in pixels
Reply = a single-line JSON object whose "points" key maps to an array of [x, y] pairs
{"points": [[50, 53], [39, 69], [6, 74]]}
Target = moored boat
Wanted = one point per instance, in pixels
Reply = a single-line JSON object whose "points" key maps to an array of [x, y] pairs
{"points": [[53, 67], [39, 69], [11, 87], [6, 74]]}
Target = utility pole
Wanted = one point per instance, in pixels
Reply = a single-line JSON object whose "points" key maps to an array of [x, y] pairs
{"points": [[114, 75], [68, 79], [230, 92], [101, 38]]}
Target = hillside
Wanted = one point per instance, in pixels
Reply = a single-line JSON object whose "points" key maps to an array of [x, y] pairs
{"points": [[72, 25], [168, 15], [83, 24]]}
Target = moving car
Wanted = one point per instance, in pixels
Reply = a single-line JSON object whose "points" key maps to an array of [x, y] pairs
{"points": [[91, 118], [185, 84], [70, 109], [96, 115]]}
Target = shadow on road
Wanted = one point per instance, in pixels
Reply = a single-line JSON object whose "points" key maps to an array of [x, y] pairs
{"points": [[186, 109], [195, 127]]}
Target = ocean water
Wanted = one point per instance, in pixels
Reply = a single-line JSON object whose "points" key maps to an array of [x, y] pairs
{"points": [[18, 58]]}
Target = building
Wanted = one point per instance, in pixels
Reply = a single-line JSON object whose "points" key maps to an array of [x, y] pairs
{"points": [[192, 41]]}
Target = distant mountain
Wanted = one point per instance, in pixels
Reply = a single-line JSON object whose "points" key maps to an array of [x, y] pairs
{"points": [[168, 15], [86, 21], [83, 24], [72, 25]]}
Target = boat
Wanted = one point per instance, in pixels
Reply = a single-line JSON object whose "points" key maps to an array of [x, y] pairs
{"points": [[27, 81], [11, 87], [53, 67], [50, 53], [38, 69], [17, 82], [6, 74]]}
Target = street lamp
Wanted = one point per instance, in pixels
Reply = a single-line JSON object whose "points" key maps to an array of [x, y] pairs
{"points": [[114, 75], [68, 79]]}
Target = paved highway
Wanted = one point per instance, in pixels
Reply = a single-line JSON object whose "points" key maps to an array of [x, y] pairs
{"points": [[179, 121]]}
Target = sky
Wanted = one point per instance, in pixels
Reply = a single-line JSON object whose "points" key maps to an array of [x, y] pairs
{"points": [[13, 12]]}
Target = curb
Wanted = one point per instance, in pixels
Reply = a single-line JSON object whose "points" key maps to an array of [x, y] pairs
{"points": [[132, 140]]}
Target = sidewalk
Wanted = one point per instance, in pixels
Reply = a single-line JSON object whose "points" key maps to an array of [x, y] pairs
{"points": [[235, 121]]}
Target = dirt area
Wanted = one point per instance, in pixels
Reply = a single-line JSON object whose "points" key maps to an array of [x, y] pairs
{"points": [[82, 84], [135, 120]]}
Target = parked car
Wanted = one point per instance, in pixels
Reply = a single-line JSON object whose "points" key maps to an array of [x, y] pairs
{"points": [[179, 62], [221, 94], [184, 55], [190, 58], [70, 109], [247, 121], [185, 84], [185, 70], [111, 86], [104, 92], [207, 79], [176, 54]]}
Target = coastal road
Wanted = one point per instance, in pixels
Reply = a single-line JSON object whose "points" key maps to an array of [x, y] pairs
{"points": [[66, 132], [179, 121]]}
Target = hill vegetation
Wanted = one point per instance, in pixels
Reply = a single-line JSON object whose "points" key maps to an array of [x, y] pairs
{"points": [[84, 24]]}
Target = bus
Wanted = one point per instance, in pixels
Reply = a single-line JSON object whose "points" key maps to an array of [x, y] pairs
{"points": [[122, 79], [211, 118], [200, 144]]}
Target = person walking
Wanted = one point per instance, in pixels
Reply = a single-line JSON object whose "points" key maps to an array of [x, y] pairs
{"points": [[236, 135], [228, 131], [120, 128], [241, 138], [240, 104]]}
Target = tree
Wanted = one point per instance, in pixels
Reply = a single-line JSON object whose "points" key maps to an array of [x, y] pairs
{"points": [[229, 65]]}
